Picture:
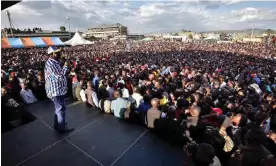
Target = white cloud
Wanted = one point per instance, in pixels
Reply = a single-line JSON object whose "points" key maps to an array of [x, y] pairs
{"points": [[146, 17]]}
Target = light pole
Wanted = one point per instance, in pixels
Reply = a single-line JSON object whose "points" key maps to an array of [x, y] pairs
{"points": [[10, 22], [67, 20]]}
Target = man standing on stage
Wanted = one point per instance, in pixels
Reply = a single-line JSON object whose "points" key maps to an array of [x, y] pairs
{"points": [[56, 87]]}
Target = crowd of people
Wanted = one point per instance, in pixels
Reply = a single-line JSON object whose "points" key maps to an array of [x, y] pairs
{"points": [[216, 101]]}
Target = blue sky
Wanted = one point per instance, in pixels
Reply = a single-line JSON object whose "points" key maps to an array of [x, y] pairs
{"points": [[152, 16]]}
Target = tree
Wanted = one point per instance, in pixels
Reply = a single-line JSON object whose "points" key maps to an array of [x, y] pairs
{"points": [[176, 34], [269, 31], [29, 30], [190, 36], [62, 28]]}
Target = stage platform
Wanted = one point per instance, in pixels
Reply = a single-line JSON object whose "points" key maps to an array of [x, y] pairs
{"points": [[98, 140]]}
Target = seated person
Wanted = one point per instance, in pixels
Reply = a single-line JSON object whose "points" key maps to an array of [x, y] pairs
{"points": [[119, 105], [105, 103], [27, 94], [206, 155], [40, 90], [145, 105], [11, 110], [91, 96], [153, 113], [78, 90], [137, 96]]}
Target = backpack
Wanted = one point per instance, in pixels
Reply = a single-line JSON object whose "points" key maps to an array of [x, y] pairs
{"points": [[213, 137]]}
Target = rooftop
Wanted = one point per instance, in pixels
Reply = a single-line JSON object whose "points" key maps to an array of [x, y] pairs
{"points": [[108, 25]]}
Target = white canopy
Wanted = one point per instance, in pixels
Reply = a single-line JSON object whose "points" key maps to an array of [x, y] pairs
{"points": [[77, 40]]}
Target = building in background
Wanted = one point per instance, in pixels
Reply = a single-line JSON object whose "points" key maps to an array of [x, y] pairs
{"points": [[107, 31], [63, 35]]}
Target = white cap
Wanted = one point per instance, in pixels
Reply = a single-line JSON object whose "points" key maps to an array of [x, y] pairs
{"points": [[52, 49]]}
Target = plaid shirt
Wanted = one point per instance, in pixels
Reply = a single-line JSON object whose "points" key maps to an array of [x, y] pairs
{"points": [[56, 82]]}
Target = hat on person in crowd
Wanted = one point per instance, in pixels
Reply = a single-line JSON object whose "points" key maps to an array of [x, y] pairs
{"points": [[255, 87], [217, 110], [53, 49]]}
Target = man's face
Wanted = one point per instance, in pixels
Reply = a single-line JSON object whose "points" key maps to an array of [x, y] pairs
{"points": [[3, 91], [236, 119], [57, 56]]}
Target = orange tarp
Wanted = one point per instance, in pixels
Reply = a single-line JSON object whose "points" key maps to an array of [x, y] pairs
{"points": [[27, 42], [5, 43], [48, 41]]}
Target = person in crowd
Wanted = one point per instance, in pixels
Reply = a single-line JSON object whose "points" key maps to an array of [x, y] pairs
{"points": [[137, 96], [91, 96], [40, 90], [78, 90], [119, 105], [27, 94], [110, 90], [254, 152], [105, 103], [153, 113], [96, 79], [124, 90], [205, 155]]}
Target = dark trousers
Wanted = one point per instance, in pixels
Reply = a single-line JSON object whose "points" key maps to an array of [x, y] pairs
{"points": [[59, 122]]}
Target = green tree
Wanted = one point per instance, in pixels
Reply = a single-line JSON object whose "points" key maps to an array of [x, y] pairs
{"points": [[29, 30], [62, 28], [176, 34], [269, 31], [190, 36]]}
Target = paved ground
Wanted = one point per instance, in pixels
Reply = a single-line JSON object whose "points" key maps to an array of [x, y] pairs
{"points": [[98, 139]]}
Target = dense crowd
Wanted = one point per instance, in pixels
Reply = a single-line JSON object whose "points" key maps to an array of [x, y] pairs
{"points": [[215, 100]]}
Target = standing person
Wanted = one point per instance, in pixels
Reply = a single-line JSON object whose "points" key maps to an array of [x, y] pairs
{"points": [[56, 87]]}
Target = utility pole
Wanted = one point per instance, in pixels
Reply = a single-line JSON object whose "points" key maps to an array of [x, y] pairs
{"points": [[67, 20], [252, 31], [69, 28], [10, 22]]}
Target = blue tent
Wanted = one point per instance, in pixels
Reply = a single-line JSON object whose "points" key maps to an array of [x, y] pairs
{"points": [[38, 42], [16, 43], [57, 41]]}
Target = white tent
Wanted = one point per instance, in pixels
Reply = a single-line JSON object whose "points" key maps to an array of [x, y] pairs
{"points": [[77, 40]]}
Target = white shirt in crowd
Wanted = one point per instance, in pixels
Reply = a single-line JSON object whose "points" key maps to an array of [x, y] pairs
{"points": [[95, 99], [216, 162], [125, 93], [138, 98], [83, 97], [28, 96]]}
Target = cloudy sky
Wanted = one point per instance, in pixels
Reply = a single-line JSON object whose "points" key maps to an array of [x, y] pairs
{"points": [[144, 16]]}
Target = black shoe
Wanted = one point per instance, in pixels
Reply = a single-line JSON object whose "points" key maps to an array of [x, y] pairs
{"points": [[65, 130], [56, 126]]}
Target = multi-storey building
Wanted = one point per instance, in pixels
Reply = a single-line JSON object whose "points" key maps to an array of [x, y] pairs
{"points": [[107, 31]]}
